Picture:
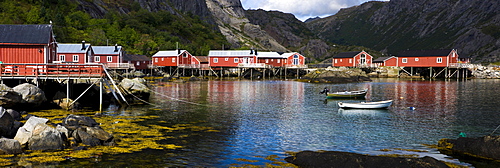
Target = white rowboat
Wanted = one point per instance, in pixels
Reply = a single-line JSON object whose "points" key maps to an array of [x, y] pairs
{"points": [[367, 105]]}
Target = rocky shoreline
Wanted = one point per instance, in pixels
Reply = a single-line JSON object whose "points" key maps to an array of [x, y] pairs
{"points": [[481, 148]]}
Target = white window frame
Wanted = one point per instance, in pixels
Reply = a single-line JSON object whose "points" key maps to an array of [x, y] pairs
{"points": [[236, 60], [75, 58], [267, 60], [97, 59], [173, 59], [416, 59], [278, 61], [439, 60], [335, 60], [62, 58], [226, 59], [216, 60], [138, 63], [109, 59], [156, 59], [404, 60], [350, 61]]}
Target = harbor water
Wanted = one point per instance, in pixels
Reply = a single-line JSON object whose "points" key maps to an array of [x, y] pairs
{"points": [[259, 122]]}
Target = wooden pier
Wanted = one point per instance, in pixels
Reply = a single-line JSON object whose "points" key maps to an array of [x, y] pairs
{"points": [[61, 73]]}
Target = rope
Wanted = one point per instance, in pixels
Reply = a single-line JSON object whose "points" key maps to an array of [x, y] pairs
{"points": [[494, 130], [173, 98]]}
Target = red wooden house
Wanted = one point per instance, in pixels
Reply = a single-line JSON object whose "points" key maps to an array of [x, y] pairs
{"points": [[173, 58], [111, 56], [202, 61], [427, 58], [140, 62], [27, 44], [352, 59], [232, 58], [74, 53], [386, 61], [279, 59]]}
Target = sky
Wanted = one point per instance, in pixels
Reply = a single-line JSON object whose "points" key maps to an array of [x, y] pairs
{"points": [[302, 9]]}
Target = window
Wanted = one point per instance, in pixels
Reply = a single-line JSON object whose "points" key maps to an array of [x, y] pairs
{"points": [[335, 60], [416, 59], [97, 59], [62, 58], [439, 60], [138, 63], [184, 55], [278, 61], [404, 60], [350, 60], [216, 60], [75, 58], [173, 59], [235, 60], [161, 59], [226, 59], [156, 59], [110, 58], [267, 60]]}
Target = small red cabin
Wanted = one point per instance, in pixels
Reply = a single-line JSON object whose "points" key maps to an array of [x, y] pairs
{"points": [[27, 44], [427, 58], [279, 59], [74, 53], [172, 58], [232, 58], [352, 59], [107, 54], [140, 62], [386, 61]]}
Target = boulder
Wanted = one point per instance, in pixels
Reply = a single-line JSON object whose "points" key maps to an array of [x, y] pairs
{"points": [[333, 159], [14, 114], [7, 128], [75, 121], [486, 146], [134, 85], [25, 132], [31, 94], [45, 138], [81, 136], [8, 97], [99, 133], [10, 146], [66, 103]]}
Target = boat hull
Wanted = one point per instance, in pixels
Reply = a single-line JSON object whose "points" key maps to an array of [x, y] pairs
{"points": [[367, 105], [347, 94]]}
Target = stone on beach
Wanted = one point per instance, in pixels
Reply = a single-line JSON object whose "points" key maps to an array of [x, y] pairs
{"points": [[10, 146]]}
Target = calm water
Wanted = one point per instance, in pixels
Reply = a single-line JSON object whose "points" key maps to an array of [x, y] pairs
{"points": [[258, 120]]}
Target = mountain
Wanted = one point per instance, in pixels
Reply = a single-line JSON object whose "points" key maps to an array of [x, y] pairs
{"points": [[471, 26]]}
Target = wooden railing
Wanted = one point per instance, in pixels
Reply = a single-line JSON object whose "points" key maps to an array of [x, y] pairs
{"points": [[52, 70]]}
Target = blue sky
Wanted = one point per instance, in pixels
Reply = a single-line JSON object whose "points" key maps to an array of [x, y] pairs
{"points": [[302, 9]]}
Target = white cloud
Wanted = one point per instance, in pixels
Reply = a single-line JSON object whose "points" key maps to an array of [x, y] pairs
{"points": [[300, 8]]}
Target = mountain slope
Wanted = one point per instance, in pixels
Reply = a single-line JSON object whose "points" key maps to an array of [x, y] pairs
{"points": [[471, 26]]}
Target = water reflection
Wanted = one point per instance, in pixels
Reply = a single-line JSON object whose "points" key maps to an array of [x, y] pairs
{"points": [[256, 119]]}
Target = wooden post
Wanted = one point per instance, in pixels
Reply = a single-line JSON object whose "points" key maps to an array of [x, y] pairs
{"points": [[100, 95]]}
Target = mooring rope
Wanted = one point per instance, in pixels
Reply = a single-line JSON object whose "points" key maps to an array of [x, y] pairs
{"points": [[494, 130], [173, 98]]}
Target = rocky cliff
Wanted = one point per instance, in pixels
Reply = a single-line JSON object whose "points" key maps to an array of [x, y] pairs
{"points": [[471, 26]]}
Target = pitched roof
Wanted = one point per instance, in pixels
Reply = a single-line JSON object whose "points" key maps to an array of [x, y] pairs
{"points": [[202, 58], [71, 48], [33, 34], [168, 53], [347, 54], [129, 57], [222, 53], [382, 59], [423, 53], [270, 55], [109, 50]]}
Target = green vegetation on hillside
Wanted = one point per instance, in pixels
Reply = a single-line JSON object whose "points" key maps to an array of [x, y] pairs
{"points": [[139, 31]]}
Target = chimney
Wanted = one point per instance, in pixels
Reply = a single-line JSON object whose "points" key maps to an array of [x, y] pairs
{"points": [[83, 45], [116, 48], [251, 52], [255, 52], [178, 51]]}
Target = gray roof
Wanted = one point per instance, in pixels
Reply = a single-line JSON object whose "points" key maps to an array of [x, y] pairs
{"points": [[106, 50], [381, 59], [33, 34], [130, 57], [347, 54], [71, 48]]}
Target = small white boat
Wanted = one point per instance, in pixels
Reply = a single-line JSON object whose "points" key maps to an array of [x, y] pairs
{"points": [[367, 105]]}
